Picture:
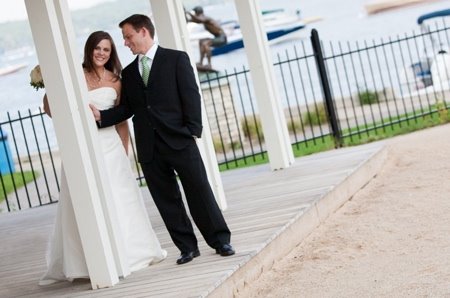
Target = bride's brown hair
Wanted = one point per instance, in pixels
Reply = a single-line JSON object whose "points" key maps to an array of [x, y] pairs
{"points": [[113, 63]]}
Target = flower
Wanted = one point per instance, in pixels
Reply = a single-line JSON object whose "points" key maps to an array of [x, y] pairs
{"points": [[36, 78]]}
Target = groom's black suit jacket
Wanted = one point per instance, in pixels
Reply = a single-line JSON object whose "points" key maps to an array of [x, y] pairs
{"points": [[166, 114], [169, 105]]}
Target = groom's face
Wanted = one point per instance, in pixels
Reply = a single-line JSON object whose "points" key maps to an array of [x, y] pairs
{"points": [[135, 40]]}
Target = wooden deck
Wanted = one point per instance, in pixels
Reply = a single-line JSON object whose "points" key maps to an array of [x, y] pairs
{"points": [[268, 213]]}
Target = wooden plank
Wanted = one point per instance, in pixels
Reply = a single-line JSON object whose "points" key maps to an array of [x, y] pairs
{"points": [[261, 205]]}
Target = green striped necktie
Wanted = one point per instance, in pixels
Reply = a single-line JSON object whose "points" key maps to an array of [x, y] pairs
{"points": [[145, 69]]}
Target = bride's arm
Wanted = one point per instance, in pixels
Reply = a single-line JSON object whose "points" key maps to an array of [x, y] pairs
{"points": [[46, 106]]}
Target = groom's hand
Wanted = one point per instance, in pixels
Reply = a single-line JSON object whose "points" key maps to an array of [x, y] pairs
{"points": [[95, 112]]}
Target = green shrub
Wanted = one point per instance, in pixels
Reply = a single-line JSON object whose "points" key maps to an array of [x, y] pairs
{"points": [[252, 127], [316, 115], [235, 145], [367, 97], [294, 125], [218, 145]]}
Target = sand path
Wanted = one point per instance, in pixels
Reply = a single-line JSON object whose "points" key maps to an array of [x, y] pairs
{"points": [[392, 239]]}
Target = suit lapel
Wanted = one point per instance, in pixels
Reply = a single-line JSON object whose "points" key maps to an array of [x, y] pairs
{"points": [[135, 71]]}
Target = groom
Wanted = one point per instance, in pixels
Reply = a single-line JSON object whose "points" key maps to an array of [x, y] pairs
{"points": [[160, 92]]}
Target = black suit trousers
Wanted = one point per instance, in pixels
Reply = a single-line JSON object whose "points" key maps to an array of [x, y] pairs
{"points": [[161, 177]]}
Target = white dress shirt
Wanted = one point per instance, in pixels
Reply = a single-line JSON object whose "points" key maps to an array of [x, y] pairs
{"points": [[151, 55]]}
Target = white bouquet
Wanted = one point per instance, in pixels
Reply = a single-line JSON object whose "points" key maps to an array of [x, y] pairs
{"points": [[36, 78]]}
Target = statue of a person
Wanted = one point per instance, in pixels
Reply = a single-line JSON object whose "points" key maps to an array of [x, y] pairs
{"points": [[213, 27]]}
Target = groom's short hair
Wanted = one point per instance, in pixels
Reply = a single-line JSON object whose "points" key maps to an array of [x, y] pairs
{"points": [[139, 21], [198, 10]]}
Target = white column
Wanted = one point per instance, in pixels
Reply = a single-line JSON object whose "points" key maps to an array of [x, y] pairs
{"points": [[273, 121], [77, 136], [172, 33]]}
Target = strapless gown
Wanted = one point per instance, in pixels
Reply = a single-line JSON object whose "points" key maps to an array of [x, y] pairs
{"points": [[65, 257]]}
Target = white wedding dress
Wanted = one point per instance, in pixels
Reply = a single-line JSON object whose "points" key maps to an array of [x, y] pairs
{"points": [[65, 257]]}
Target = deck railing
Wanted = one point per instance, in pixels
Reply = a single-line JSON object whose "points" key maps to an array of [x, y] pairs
{"points": [[336, 91]]}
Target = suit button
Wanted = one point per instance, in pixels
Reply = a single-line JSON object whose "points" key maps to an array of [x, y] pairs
{"points": [[149, 107]]}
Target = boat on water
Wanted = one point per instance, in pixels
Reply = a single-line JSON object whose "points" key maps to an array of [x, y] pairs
{"points": [[11, 69], [433, 67], [280, 26]]}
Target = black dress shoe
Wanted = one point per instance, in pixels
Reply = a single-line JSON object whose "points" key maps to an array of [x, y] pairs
{"points": [[186, 257], [225, 250]]}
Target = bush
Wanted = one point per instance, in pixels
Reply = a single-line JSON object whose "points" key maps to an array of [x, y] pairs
{"points": [[235, 145], [316, 115], [252, 127], [367, 97], [220, 147], [294, 125]]}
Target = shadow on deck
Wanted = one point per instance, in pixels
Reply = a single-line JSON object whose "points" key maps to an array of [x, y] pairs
{"points": [[269, 213]]}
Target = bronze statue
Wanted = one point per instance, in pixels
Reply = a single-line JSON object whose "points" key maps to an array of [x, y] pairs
{"points": [[206, 44]]}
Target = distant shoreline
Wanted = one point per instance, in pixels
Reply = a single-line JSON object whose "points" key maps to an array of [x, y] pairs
{"points": [[383, 5]]}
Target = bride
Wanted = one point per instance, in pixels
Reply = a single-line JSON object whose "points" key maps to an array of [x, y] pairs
{"points": [[65, 256]]}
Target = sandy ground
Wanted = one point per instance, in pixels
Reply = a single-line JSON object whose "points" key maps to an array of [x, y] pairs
{"points": [[392, 239]]}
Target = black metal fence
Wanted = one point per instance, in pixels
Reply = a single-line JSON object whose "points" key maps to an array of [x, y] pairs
{"points": [[330, 93]]}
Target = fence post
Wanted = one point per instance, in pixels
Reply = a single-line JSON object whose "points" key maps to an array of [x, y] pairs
{"points": [[329, 102]]}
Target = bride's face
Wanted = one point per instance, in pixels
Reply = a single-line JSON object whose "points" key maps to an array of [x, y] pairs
{"points": [[102, 52]]}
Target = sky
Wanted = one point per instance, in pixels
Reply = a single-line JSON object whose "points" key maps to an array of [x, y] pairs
{"points": [[13, 10]]}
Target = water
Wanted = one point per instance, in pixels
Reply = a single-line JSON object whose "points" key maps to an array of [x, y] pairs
{"points": [[342, 20]]}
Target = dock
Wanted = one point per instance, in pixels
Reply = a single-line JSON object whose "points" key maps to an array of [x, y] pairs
{"points": [[269, 213]]}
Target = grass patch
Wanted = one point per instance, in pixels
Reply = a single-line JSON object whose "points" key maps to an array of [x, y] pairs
{"points": [[244, 162], [324, 143], [7, 185], [398, 126], [301, 149], [362, 134]]}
